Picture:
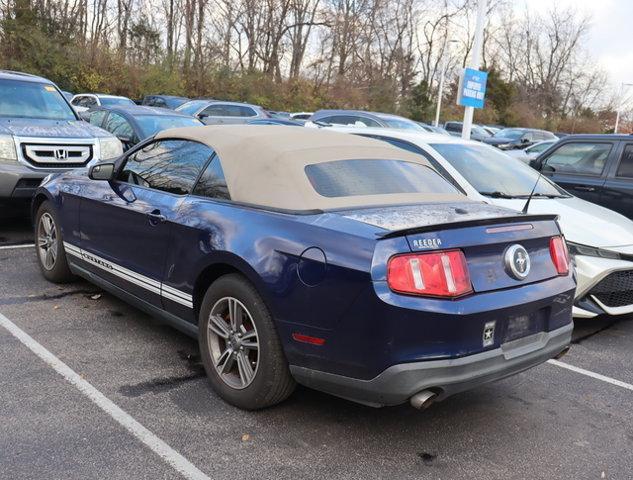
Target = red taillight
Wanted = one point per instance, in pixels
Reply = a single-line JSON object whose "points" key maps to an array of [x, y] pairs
{"points": [[435, 274], [560, 255]]}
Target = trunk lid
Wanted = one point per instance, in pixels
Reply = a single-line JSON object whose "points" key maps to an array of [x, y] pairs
{"points": [[484, 233]]}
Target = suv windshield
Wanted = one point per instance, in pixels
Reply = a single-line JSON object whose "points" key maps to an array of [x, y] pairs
{"points": [[151, 124], [510, 133], [33, 100], [494, 173], [346, 178]]}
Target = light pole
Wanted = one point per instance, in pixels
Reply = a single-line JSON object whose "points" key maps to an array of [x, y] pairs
{"points": [[475, 61], [619, 105], [440, 88]]}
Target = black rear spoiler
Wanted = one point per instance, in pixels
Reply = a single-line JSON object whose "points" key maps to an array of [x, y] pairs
{"points": [[469, 223]]}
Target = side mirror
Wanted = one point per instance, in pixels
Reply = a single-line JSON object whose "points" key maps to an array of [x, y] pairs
{"points": [[102, 171], [535, 164]]}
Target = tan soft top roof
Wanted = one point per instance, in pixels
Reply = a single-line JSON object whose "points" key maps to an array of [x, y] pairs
{"points": [[264, 164]]}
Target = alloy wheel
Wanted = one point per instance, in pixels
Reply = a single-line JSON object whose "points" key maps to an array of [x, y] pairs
{"points": [[233, 342], [47, 241]]}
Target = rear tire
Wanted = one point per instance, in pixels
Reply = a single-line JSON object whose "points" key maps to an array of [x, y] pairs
{"points": [[239, 346], [49, 245]]}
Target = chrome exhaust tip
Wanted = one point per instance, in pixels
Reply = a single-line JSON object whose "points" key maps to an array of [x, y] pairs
{"points": [[423, 399]]}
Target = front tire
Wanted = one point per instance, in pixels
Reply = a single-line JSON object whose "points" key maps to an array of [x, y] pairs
{"points": [[50, 246], [239, 346]]}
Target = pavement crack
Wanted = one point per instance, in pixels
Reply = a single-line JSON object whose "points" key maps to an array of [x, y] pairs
{"points": [[46, 296], [158, 385], [427, 458], [582, 338]]}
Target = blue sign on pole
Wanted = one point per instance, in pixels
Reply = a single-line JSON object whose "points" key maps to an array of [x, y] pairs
{"points": [[472, 88]]}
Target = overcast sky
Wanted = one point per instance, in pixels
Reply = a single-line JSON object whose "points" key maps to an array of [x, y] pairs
{"points": [[609, 40]]}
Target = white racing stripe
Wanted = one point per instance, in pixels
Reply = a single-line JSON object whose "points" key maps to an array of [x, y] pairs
{"points": [[9, 247], [176, 292], [177, 299], [177, 296], [149, 439], [588, 373], [131, 276]]}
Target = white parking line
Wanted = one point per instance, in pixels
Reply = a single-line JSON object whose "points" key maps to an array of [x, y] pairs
{"points": [[168, 454], [9, 247], [591, 374]]}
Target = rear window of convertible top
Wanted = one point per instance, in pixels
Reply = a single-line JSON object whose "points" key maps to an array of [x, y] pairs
{"points": [[347, 178]]}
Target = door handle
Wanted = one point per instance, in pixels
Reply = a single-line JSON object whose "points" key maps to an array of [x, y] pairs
{"points": [[583, 188], [155, 217]]}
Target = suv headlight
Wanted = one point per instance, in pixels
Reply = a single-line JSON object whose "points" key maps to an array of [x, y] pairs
{"points": [[110, 147], [8, 153]]}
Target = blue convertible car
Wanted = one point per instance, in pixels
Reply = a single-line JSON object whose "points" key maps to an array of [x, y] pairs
{"points": [[300, 255]]}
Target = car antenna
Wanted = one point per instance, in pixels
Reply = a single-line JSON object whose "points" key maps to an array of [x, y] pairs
{"points": [[540, 174]]}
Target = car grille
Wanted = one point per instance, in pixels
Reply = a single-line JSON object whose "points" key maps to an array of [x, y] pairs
{"points": [[616, 290], [55, 155]]}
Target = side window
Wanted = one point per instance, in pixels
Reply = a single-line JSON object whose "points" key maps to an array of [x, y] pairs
{"points": [[214, 111], [625, 169], [170, 166], [96, 117], [88, 102], [453, 127], [212, 182], [541, 147], [330, 120], [239, 111], [119, 126], [367, 121], [579, 158], [351, 120], [76, 101], [158, 102]]}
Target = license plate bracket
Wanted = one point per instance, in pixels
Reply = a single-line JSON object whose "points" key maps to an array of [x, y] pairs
{"points": [[519, 326]]}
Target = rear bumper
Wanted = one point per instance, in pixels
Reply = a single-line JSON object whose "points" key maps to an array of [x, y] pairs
{"points": [[400, 382], [18, 181]]}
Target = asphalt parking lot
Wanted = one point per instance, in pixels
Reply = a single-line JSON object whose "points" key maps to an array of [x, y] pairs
{"points": [[549, 422]]}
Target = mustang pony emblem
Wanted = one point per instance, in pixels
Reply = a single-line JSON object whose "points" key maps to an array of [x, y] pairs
{"points": [[517, 262]]}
